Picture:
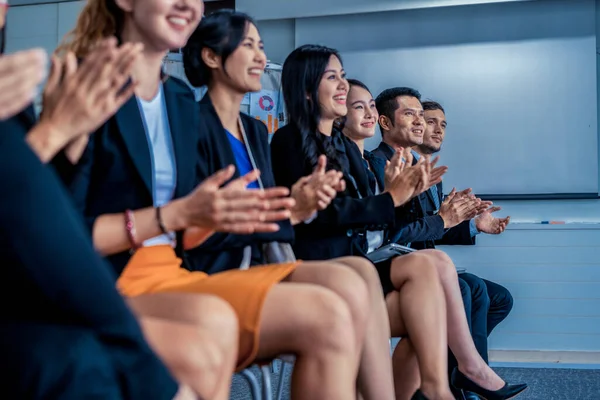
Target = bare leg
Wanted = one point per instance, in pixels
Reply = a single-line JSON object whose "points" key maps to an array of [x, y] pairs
{"points": [[375, 377], [346, 284], [460, 341], [315, 324], [417, 310], [406, 370], [205, 352]]}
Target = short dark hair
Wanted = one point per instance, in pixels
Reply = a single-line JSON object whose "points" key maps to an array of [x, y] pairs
{"points": [[431, 105], [387, 102], [222, 31]]}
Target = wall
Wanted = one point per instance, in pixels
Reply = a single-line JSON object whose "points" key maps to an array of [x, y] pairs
{"points": [[41, 25]]}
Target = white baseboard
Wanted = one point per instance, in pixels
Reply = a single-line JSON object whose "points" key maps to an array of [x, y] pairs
{"points": [[545, 357]]}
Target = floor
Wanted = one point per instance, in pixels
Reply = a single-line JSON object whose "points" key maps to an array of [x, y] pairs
{"points": [[544, 383]]}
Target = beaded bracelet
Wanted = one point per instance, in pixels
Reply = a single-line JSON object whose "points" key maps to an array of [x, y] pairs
{"points": [[130, 228]]}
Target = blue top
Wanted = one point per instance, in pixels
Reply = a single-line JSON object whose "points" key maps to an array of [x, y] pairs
{"points": [[242, 158]]}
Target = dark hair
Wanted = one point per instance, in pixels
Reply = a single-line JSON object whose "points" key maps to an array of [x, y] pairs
{"points": [[222, 32], [431, 105], [387, 101], [302, 72], [341, 122]]}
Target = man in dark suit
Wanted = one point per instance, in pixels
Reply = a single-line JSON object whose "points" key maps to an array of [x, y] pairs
{"points": [[427, 220], [500, 299]]}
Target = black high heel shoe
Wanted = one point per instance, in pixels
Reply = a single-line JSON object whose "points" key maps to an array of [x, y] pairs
{"points": [[419, 396], [460, 381]]}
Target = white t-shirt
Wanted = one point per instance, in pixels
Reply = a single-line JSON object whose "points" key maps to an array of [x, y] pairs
{"points": [[164, 171]]}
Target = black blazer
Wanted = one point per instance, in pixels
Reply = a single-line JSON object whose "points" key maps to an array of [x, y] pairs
{"points": [[225, 251], [49, 262], [115, 170], [377, 165], [419, 223], [338, 230]]}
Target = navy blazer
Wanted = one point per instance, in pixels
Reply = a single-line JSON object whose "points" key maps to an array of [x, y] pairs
{"points": [[50, 263], [419, 223], [225, 251], [415, 226], [339, 230], [115, 171]]}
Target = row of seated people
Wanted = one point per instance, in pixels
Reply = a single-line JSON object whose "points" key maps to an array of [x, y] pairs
{"points": [[158, 236]]}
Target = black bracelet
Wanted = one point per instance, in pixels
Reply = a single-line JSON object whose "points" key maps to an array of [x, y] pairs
{"points": [[160, 221]]}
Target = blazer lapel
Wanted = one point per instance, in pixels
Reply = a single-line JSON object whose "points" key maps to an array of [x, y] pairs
{"points": [[357, 168], [131, 127], [256, 148], [378, 167], [216, 134], [183, 117]]}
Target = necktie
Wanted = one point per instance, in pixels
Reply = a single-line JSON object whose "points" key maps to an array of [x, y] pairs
{"points": [[371, 177], [436, 199]]}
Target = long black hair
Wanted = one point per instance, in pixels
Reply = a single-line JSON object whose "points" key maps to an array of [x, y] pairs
{"points": [[302, 72], [222, 32]]}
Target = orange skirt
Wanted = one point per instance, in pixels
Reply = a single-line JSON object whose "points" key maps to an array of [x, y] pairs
{"points": [[157, 269]]}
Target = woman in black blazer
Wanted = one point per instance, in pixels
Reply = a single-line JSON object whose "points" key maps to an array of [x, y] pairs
{"points": [[358, 125], [71, 336], [225, 53], [315, 91], [145, 159]]}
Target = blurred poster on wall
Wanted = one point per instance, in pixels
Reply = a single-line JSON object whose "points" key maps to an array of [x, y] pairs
{"points": [[267, 105]]}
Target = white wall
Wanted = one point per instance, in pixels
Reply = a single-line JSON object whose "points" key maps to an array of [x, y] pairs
{"points": [[279, 38], [277, 9], [41, 25]]}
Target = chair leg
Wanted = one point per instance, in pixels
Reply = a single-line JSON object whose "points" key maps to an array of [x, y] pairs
{"points": [[266, 377], [252, 382], [279, 392]]}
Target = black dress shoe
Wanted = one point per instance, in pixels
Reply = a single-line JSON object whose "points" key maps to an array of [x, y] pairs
{"points": [[471, 396], [418, 396], [460, 381]]}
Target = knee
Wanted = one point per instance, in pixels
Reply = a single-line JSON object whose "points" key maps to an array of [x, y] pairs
{"points": [[414, 266], [505, 301], [479, 293], [331, 326], [353, 290], [366, 270], [444, 264]]}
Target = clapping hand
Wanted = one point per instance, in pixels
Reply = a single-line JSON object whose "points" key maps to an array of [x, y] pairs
{"points": [[316, 191], [233, 208]]}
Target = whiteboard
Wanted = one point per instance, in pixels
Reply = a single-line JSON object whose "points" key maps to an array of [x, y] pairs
{"points": [[518, 82], [521, 115]]}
